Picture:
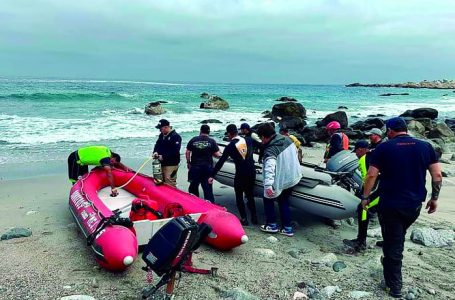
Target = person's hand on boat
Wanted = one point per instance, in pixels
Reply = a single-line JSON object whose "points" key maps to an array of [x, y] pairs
{"points": [[210, 180], [114, 192], [269, 191]]}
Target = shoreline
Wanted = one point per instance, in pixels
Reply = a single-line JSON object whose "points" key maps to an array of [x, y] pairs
{"points": [[55, 261]]}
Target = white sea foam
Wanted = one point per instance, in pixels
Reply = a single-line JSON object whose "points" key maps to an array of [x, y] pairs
{"points": [[109, 125]]}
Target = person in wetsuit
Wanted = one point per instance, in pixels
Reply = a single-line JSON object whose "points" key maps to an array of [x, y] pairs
{"points": [[240, 150]]}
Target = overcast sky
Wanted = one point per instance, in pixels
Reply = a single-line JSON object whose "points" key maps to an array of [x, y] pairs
{"points": [[289, 41]]}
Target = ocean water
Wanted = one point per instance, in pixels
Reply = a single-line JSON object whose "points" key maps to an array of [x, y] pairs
{"points": [[42, 120]]}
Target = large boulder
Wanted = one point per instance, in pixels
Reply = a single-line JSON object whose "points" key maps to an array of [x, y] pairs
{"points": [[450, 123], [368, 124], [286, 99], [433, 238], [214, 102], [442, 131], [154, 108], [211, 121], [314, 134], [426, 122], [288, 109], [295, 123], [339, 116], [421, 113], [417, 127]]}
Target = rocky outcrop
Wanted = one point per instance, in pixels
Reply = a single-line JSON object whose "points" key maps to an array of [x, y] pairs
{"points": [[393, 94], [154, 108], [421, 113], [211, 121], [441, 131], [213, 102], [416, 127], [295, 123], [368, 124], [436, 84], [286, 99], [339, 116], [450, 123], [267, 114], [288, 109]]}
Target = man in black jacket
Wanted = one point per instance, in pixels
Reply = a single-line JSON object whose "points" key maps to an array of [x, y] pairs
{"points": [[167, 148]]}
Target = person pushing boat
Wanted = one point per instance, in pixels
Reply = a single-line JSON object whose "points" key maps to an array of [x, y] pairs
{"points": [[99, 156]]}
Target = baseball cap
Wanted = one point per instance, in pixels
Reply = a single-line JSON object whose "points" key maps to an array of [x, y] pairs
{"points": [[244, 126], [231, 128], [361, 144], [376, 131], [162, 123], [396, 124]]}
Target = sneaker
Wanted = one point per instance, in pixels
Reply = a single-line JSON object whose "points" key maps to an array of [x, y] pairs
{"points": [[355, 244], [270, 228], [287, 231]]}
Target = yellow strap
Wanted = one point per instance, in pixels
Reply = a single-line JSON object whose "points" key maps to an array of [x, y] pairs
{"points": [[370, 205], [137, 172]]}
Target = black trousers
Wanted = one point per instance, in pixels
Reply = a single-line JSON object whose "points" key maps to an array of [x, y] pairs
{"points": [[244, 184], [363, 225], [74, 169], [394, 223], [199, 175]]}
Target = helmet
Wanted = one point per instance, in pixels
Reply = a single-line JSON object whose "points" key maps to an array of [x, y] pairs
{"points": [[333, 125]]}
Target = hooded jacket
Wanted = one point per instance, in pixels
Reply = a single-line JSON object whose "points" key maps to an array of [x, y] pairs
{"points": [[281, 167]]}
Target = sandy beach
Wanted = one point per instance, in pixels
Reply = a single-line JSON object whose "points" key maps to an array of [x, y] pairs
{"points": [[55, 262]]}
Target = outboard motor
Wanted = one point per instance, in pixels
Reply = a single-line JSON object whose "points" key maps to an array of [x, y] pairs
{"points": [[347, 161]]}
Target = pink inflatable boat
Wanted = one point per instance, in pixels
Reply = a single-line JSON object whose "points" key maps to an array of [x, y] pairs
{"points": [[101, 218]]}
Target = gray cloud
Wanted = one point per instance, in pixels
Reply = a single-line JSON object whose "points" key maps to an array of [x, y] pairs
{"points": [[229, 41]]}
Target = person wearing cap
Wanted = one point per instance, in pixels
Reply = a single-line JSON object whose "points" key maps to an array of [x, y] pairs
{"points": [[246, 131], [167, 149], [199, 153], [281, 172], [375, 136], [240, 150], [402, 162], [100, 156], [284, 131], [338, 140], [363, 153]]}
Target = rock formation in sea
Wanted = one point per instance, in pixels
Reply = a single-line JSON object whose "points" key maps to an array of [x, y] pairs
{"points": [[435, 84], [213, 102]]}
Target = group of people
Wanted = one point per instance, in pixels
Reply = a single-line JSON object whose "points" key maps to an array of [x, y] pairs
{"points": [[393, 171]]}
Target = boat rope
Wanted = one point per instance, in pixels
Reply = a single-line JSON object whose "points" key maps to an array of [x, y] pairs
{"points": [[135, 174]]}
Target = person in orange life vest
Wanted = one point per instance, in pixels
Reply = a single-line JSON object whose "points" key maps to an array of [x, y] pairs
{"points": [[338, 140]]}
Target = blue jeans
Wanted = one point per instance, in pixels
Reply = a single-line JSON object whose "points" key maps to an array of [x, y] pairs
{"points": [[283, 205], [199, 175]]}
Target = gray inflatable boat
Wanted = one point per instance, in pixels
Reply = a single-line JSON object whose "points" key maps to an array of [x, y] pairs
{"points": [[324, 192]]}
